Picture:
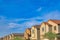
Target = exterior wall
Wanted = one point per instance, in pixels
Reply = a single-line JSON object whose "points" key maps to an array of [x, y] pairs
{"points": [[4, 38], [38, 34], [10, 37], [7, 37], [53, 25], [42, 32], [25, 36], [47, 28], [33, 35], [27, 33], [42, 26]]}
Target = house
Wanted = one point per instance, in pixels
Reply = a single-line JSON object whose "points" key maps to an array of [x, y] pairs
{"points": [[38, 31], [44, 28], [50, 26], [13, 36], [55, 27], [35, 32], [27, 34], [5, 38]]}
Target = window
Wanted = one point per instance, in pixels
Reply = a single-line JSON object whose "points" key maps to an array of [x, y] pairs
{"points": [[38, 28], [59, 28], [42, 29], [33, 33], [50, 28], [55, 28]]}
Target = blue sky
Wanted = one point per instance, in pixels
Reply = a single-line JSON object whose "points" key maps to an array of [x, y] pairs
{"points": [[17, 15]]}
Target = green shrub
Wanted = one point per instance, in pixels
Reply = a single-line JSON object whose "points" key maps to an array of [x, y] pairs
{"points": [[18, 38], [50, 35]]}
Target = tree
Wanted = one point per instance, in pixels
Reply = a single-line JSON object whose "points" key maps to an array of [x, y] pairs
{"points": [[17, 38], [50, 35]]}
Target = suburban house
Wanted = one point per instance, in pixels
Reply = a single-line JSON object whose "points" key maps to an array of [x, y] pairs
{"points": [[5, 38], [44, 28], [50, 26], [27, 34], [55, 27], [13, 35], [35, 32]]}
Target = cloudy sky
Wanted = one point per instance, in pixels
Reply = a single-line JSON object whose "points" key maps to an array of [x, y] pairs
{"points": [[17, 15]]}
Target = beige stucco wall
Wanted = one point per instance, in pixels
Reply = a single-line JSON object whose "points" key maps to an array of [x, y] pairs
{"points": [[33, 35], [42, 32], [5, 38], [53, 25], [46, 29], [26, 33], [42, 26]]}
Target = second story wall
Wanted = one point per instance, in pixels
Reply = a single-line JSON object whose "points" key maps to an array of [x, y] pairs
{"points": [[33, 33], [42, 29], [27, 33], [54, 26]]}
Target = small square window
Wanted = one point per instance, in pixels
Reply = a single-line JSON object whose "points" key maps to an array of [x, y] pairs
{"points": [[55, 28], [38, 28], [42, 29]]}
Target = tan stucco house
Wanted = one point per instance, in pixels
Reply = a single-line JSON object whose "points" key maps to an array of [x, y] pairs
{"points": [[55, 27], [12, 36], [50, 26], [35, 32], [5, 38], [44, 29], [27, 34]]}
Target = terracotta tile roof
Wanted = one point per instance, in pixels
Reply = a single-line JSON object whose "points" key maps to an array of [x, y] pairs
{"points": [[56, 21], [47, 23], [37, 26]]}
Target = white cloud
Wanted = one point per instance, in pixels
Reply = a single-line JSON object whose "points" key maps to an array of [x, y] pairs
{"points": [[27, 19], [20, 19], [39, 9], [13, 25], [51, 15], [31, 23]]}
